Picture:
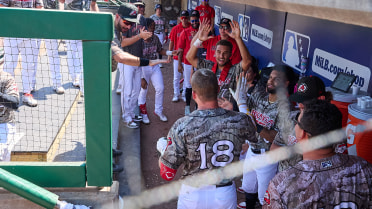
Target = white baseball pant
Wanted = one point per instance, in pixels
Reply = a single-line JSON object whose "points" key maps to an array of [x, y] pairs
{"points": [[130, 91], [29, 50], [75, 61], [51, 46], [121, 73], [161, 37], [186, 77], [7, 140], [207, 197], [257, 181], [176, 78], [154, 74]]}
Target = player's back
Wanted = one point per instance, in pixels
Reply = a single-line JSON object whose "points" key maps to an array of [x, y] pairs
{"points": [[340, 181], [213, 137]]}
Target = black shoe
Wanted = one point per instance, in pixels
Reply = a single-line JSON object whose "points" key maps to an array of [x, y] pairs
{"points": [[116, 152], [117, 168]]}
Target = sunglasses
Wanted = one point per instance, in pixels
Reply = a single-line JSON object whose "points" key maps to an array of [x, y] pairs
{"points": [[194, 21], [184, 18], [128, 23], [296, 122], [224, 27], [141, 6]]}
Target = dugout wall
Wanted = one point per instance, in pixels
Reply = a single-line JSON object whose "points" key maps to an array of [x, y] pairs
{"points": [[96, 32]]}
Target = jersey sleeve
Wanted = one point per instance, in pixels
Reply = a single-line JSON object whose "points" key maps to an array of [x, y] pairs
{"points": [[236, 57], [172, 35], [212, 13], [175, 153], [272, 198]]}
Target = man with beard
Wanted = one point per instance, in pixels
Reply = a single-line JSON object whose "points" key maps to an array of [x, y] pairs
{"points": [[226, 72], [264, 110], [185, 67]]}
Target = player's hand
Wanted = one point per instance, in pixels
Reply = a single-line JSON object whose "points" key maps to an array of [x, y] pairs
{"points": [[204, 30], [143, 83], [225, 104], [180, 68], [240, 95], [144, 34], [245, 147], [158, 61], [170, 58], [235, 30]]}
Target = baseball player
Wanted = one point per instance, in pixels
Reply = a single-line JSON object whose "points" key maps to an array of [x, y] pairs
{"points": [[206, 12], [173, 45], [131, 41], [151, 47], [197, 140], [161, 30], [185, 67], [323, 179], [9, 100], [264, 109], [75, 47], [210, 44], [224, 70], [29, 50]]}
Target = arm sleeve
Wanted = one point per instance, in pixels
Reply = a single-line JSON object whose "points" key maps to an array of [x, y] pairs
{"points": [[10, 96]]}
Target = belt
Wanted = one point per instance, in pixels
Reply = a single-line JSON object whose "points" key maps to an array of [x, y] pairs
{"points": [[224, 185], [257, 151], [158, 33]]}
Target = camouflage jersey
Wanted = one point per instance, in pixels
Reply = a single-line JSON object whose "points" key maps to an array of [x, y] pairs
{"points": [[22, 3], [230, 81], [340, 181], [9, 97], [160, 23], [292, 140], [265, 114], [207, 139]]}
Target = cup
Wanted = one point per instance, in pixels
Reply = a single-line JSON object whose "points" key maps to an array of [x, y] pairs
{"points": [[356, 90]]}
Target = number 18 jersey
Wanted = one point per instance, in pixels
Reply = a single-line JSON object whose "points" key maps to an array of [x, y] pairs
{"points": [[207, 139]]}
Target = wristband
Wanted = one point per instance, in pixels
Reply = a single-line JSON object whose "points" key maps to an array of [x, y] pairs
{"points": [[144, 62], [198, 43], [169, 53], [139, 36]]}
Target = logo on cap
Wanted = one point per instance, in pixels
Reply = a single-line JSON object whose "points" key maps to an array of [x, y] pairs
{"points": [[133, 13], [302, 88]]}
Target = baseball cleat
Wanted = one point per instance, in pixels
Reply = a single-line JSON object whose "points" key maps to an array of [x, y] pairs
{"points": [[29, 100], [161, 65], [240, 189], [175, 98], [137, 118], [131, 124], [161, 116], [76, 83], [116, 152], [145, 119], [59, 90], [242, 205]]}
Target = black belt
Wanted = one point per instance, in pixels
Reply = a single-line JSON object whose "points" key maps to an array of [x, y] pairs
{"points": [[224, 185], [257, 151], [158, 33]]}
